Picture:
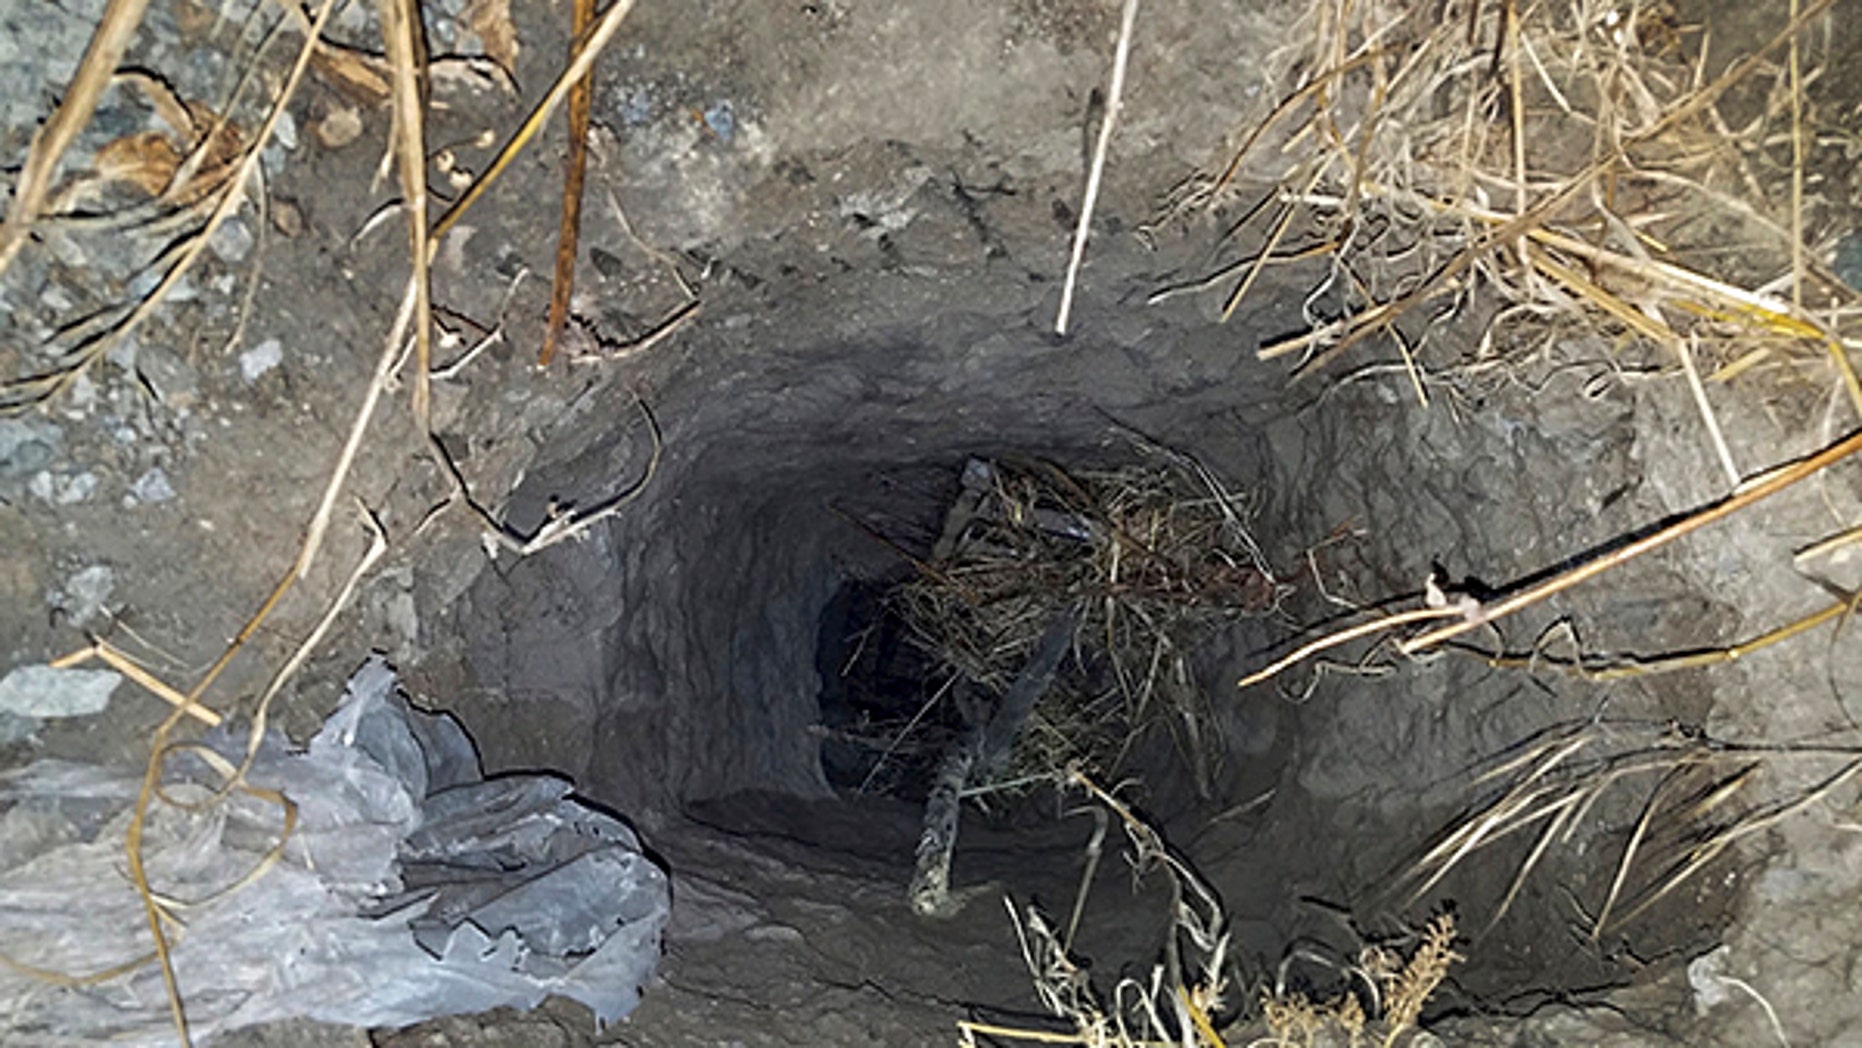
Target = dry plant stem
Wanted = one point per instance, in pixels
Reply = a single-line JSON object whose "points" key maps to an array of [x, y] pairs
{"points": [[398, 19], [1114, 91], [102, 650], [1346, 636], [57, 978], [1640, 667], [1763, 488], [159, 748], [111, 38], [574, 170], [39, 388], [590, 47], [660, 332], [1357, 328], [1797, 172], [566, 525], [1685, 350], [970, 1030]]}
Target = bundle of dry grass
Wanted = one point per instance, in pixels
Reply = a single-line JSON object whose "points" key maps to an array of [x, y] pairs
{"points": [[1696, 796], [1544, 168], [1155, 558]]}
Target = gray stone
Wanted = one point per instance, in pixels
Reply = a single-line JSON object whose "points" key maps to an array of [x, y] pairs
{"points": [[261, 358], [41, 691], [152, 486], [62, 489], [232, 240], [86, 592], [26, 446], [174, 381]]}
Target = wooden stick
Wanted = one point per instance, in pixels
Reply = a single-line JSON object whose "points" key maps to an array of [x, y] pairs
{"points": [[575, 169], [1762, 488], [1117, 87]]}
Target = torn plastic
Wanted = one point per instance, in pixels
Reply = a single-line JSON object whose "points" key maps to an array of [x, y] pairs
{"points": [[411, 888]]}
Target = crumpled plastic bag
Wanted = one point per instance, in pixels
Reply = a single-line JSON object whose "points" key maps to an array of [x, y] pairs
{"points": [[411, 888]]}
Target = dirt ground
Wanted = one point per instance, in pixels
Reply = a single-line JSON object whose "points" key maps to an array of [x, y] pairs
{"points": [[873, 205]]}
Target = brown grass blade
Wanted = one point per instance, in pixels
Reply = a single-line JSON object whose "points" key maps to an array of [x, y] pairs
{"points": [[398, 21], [108, 42]]}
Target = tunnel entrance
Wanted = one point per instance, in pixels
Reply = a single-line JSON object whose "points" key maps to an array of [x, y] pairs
{"points": [[834, 580]]}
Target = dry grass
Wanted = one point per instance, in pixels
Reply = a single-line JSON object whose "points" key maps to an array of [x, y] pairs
{"points": [[1158, 556], [197, 178], [1697, 797], [1397, 988], [1551, 168], [1186, 991], [1187, 998]]}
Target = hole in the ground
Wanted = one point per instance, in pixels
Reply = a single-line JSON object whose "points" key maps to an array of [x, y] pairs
{"points": [[742, 633], [878, 686]]}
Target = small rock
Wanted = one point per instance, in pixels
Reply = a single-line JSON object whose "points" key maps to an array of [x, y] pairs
{"points": [[57, 489], [41, 691], [286, 131], [26, 445], [77, 488], [86, 592], [232, 241], [123, 354], [55, 299], [82, 396], [722, 122], [287, 218], [173, 381], [153, 486], [339, 128], [260, 359]]}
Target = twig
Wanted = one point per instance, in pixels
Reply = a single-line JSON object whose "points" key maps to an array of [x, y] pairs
{"points": [[589, 48], [1120, 55], [398, 19], [1346, 636], [1764, 487], [574, 168]]}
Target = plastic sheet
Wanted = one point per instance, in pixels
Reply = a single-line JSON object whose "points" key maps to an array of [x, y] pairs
{"points": [[412, 887]]}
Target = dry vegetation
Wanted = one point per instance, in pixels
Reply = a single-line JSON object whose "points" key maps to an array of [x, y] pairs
{"points": [[190, 180], [1535, 169], [1157, 557], [1588, 184]]}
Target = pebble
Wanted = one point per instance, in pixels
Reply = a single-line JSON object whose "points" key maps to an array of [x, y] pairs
{"points": [[287, 218], [232, 241], [26, 445], [722, 122], [57, 489], [260, 359], [82, 396], [41, 691], [86, 592], [152, 487], [173, 380], [339, 128], [286, 132], [123, 354]]}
